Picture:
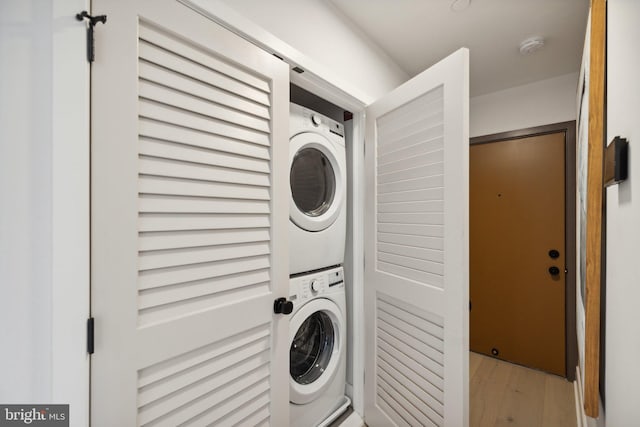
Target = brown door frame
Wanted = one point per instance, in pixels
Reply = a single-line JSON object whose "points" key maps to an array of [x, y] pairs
{"points": [[569, 129]]}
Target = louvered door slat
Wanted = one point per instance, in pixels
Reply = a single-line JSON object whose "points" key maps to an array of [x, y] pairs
{"points": [[149, 260], [192, 103], [257, 418], [411, 207], [233, 407], [189, 187], [432, 181], [223, 288], [415, 409], [188, 136], [410, 151], [424, 160], [207, 394], [158, 222], [411, 251], [433, 231], [211, 270], [412, 218], [411, 241], [196, 54], [183, 239], [177, 116], [166, 369], [412, 114], [188, 204], [411, 173], [175, 168], [176, 79], [186, 153], [428, 381], [200, 373]]}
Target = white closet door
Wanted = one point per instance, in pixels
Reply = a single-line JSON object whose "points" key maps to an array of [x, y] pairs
{"points": [[189, 222], [416, 251]]}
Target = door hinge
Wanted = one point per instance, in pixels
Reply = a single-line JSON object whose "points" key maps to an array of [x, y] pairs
{"points": [[90, 335], [469, 305], [93, 20]]}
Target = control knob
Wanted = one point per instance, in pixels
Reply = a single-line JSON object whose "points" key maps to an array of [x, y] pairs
{"points": [[315, 285]]}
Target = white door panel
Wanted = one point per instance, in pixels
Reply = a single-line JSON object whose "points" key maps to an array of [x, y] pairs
{"points": [[189, 188], [416, 251]]}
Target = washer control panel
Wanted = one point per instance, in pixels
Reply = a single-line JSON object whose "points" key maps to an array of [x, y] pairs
{"points": [[312, 285]]}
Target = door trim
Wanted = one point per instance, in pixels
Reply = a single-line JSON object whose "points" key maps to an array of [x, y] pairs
{"points": [[569, 129]]}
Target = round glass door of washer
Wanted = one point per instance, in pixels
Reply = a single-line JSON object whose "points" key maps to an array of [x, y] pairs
{"points": [[315, 349], [315, 180]]}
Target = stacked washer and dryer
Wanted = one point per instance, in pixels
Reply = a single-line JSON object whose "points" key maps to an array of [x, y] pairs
{"points": [[317, 235]]}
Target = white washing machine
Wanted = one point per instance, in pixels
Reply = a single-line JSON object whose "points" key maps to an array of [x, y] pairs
{"points": [[318, 191], [317, 356]]}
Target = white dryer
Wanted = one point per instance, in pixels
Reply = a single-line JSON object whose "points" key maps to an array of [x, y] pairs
{"points": [[317, 356], [318, 191]]}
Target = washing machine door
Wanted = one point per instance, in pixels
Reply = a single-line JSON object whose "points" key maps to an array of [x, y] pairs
{"points": [[316, 181], [316, 343]]}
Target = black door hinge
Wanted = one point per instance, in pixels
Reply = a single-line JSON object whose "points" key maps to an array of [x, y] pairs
{"points": [[93, 20], [90, 335], [469, 305]]}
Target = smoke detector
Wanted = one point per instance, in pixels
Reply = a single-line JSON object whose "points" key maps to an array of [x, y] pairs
{"points": [[531, 45]]}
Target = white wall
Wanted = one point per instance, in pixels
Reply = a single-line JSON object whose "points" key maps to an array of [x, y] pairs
{"points": [[25, 191], [316, 29], [623, 218], [44, 215], [535, 104]]}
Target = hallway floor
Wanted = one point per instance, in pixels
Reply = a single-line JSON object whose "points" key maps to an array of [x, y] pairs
{"points": [[504, 394]]}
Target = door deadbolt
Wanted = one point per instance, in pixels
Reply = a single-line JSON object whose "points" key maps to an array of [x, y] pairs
{"points": [[553, 254]]}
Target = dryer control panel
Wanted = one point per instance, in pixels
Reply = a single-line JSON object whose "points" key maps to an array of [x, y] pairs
{"points": [[315, 121], [312, 285]]}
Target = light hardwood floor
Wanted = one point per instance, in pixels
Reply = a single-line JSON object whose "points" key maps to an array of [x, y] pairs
{"points": [[504, 394]]}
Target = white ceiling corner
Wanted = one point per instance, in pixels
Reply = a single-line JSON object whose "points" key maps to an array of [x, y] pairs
{"points": [[418, 33]]}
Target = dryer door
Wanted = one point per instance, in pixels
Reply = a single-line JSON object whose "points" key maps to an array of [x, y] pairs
{"points": [[316, 181], [317, 337]]}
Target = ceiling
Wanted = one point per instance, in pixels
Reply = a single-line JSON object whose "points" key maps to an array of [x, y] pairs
{"points": [[416, 34]]}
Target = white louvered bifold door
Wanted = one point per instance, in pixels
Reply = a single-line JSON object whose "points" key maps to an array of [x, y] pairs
{"points": [[416, 251], [189, 222]]}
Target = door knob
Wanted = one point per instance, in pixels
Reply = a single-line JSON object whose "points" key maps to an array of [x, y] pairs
{"points": [[553, 253], [554, 271], [282, 306]]}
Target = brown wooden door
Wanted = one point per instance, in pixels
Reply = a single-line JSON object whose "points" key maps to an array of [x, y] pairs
{"points": [[517, 215]]}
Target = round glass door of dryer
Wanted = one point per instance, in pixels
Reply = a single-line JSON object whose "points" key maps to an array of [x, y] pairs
{"points": [[316, 342], [316, 174], [313, 182]]}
